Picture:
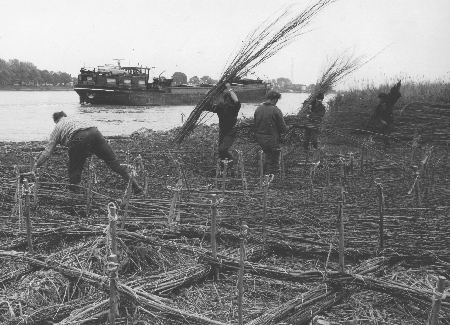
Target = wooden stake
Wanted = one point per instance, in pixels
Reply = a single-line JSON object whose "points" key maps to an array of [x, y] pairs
{"points": [[26, 190], [327, 167], [173, 205], [217, 173], [436, 307], [351, 164], [243, 236], [362, 159], [224, 175], [127, 198], [89, 188], [112, 264], [265, 188], [261, 170], [281, 163], [341, 229], [381, 213], [214, 203], [36, 187]]}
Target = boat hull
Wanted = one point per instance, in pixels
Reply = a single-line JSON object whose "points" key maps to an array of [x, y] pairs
{"points": [[176, 96]]}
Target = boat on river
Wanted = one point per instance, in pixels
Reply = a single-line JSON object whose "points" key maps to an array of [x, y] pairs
{"points": [[130, 86]]}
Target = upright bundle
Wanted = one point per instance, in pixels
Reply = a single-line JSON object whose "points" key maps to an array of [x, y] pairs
{"points": [[334, 71], [262, 43]]}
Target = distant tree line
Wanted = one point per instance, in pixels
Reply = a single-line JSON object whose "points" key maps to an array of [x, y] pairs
{"points": [[15, 72], [179, 78]]}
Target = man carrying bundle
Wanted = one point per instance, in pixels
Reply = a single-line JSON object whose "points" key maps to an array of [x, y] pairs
{"points": [[269, 123], [315, 116], [227, 110], [384, 112], [82, 139]]}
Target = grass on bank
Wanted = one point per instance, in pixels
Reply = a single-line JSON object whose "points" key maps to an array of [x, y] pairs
{"points": [[437, 91]]}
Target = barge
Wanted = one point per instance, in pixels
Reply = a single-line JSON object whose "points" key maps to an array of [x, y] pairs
{"points": [[130, 86]]}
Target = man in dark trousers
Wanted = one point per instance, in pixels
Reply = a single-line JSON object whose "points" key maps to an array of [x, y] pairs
{"points": [[227, 110], [315, 116], [384, 112], [269, 123], [83, 139]]}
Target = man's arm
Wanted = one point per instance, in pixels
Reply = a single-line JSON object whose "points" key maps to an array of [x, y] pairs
{"points": [[231, 92], [281, 124], [46, 154]]}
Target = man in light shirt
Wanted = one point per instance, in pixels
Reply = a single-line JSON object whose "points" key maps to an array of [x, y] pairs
{"points": [[83, 139]]}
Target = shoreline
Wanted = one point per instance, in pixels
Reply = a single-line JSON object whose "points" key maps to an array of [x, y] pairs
{"points": [[38, 88]]}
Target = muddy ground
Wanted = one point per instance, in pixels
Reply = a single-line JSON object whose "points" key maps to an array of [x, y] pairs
{"points": [[292, 269]]}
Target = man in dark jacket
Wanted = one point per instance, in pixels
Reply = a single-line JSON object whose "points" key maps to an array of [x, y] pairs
{"points": [[227, 111], [269, 123], [384, 112], [315, 116]]}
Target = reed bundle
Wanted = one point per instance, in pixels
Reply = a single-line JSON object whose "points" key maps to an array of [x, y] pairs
{"points": [[261, 44], [334, 71]]}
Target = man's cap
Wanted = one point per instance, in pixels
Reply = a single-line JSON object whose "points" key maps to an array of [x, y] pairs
{"points": [[320, 96], [273, 94]]}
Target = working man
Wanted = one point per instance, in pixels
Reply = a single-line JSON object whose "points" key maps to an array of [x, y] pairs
{"points": [[227, 110], [82, 139], [315, 115], [269, 123], [384, 112]]}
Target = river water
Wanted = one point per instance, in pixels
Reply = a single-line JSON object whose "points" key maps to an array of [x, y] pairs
{"points": [[27, 115]]}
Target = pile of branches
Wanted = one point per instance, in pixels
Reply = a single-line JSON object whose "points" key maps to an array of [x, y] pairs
{"points": [[261, 44]]}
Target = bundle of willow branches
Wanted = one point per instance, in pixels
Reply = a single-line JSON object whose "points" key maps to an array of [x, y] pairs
{"points": [[335, 69], [261, 44]]}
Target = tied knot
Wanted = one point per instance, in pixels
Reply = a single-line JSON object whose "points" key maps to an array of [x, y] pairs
{"points": [[439, 295], [177, 188], [218, 202], [26, 191], [269, 180], [112, 215]]}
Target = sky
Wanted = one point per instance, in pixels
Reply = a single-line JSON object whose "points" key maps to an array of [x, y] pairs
{"points": [[406, 38]]}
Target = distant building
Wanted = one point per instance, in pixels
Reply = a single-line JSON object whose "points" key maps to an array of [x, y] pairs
{"points": [[297, 87]]}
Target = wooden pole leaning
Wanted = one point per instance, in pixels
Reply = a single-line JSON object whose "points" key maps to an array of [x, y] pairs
{"points": [[439, 295], [26, 191], [243, 236], [341, 228], [214, 203], [113, 263]]}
